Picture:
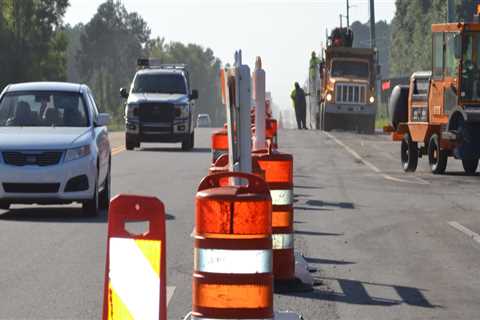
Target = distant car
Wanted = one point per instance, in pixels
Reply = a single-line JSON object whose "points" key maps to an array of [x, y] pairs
{"points": [[203, 121], [54, 146]]}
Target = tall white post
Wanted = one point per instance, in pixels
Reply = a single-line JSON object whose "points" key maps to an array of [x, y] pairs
{"points": [[243, 125], [259, 93]]}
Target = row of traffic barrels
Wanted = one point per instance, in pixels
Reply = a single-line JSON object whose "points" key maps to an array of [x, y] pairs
{"points": [[243, 233]]}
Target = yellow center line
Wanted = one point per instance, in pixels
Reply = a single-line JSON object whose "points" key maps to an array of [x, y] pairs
{"points": [[118, 150]]}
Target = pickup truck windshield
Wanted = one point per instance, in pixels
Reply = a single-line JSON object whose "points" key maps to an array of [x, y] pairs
{"points": [[160, 83], [341, 68], [43, 109]]}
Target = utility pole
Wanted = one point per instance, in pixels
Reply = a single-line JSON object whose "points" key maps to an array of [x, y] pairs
{"points": [[341, 18], [348, 14], [372, 25], [451, 11]]}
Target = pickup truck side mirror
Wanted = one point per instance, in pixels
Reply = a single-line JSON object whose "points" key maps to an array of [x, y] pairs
{"points": [[124, 93], [194, 95]]}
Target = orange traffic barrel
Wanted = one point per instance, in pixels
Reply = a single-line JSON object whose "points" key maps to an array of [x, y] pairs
{"points": [[271, 132], [221, 166], [219, 144], [232, 276], [278, 169]]}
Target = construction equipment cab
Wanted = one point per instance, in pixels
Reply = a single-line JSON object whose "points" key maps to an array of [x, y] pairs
{"points": [[438, 114], [160, 105]]}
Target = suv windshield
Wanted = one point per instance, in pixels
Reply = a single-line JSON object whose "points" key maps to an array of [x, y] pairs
{"points": [[43, 109], [342, 68], [159, 83], [470, 67]]}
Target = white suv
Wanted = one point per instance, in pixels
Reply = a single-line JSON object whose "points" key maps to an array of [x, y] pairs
{"points": [[54, 146]]}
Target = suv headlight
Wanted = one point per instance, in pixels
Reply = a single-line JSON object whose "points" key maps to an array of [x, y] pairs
{"points": [[77, 153], [181, 110], [131, 111]]}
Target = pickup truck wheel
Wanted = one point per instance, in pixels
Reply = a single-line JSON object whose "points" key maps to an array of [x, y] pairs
{"points": [[189, 143], [130, 144], [437, 157], [470, 166], [4, 205], [409, 154]]}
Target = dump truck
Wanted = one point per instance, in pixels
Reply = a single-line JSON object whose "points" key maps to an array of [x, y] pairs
{"points": [[438, 114], [342, 91]]}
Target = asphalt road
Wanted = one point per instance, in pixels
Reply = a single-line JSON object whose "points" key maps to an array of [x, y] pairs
{"points": [[388, 245]]}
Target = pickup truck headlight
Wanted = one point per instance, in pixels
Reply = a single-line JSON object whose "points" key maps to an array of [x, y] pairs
{"points": [[131, 111], [181, 110], [77, 153]]}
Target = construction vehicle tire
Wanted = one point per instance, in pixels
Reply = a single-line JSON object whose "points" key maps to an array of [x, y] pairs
{"points": [[437, 157], [470, 166], [398, 105], [409, 154]]}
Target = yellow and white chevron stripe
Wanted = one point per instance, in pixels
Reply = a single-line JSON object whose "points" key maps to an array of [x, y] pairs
{"points": [[134, 279]]}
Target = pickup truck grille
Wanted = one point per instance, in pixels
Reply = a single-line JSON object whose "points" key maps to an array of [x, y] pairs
{"points": [[157, 112], [349, 93], [17, 158]]}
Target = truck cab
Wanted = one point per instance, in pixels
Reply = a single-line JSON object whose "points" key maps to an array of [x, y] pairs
{"points": [[160, 106]]}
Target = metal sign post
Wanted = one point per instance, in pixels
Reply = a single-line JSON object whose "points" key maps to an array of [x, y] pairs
{"points": [[259, 96]]}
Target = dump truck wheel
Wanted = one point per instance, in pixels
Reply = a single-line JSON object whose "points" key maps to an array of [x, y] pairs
{"points": [[409, 154], [470, 166], [437, 157]]}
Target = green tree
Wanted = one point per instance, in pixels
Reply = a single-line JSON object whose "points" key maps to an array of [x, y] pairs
{"points": [[361, 39], [411, 31], [204, 70], [73, 35], [36, 42], [109, 47]]}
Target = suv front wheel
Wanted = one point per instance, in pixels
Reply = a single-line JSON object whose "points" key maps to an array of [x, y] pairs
{"points": [[189, 143]]}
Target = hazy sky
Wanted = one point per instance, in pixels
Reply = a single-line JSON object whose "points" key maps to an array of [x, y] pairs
{"points": [[282, 32]]}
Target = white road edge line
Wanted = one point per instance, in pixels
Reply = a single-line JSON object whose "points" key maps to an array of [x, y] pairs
{"points": [[371, 165], [475, 236], [170, 292]]}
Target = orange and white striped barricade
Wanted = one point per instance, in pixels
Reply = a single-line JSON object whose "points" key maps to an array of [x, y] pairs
{"points": [[219, 144], [278, 168], [135, 277], [232, 276]]}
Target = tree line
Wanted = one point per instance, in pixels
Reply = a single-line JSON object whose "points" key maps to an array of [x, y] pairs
{"points": [[101, 53], [411, 32]]}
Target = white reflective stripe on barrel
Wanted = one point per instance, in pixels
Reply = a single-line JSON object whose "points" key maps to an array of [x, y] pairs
{"points": [[281, 197], [233, 261], [282, 241]]}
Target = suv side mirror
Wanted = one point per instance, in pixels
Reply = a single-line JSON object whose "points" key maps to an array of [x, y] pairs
{"points": [[124, 93], [103, 119], [194, 95]]}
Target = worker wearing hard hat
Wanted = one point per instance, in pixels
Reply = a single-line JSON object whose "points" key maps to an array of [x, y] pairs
{"points": [[300, 105]]}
